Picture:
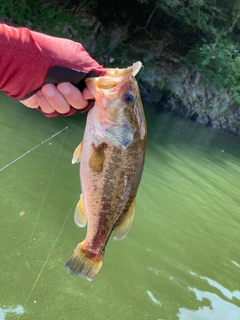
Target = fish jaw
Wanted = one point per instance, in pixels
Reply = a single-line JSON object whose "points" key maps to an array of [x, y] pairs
{"points": [[116, 72]]}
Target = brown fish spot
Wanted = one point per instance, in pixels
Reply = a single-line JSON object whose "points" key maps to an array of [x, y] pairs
{"points": [[97, 158]]}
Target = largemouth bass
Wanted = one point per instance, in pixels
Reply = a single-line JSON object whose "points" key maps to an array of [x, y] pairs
{"points": [[112, 158]]}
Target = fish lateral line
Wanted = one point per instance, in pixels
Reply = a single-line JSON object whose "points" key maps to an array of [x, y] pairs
{"points": [[27, 152]]}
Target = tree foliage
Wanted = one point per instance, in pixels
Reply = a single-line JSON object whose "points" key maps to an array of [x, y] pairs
{"points": [[214, 29], [209, 32]]}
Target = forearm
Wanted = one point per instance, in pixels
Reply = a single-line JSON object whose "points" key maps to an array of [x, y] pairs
{"points": [[29, 59]]}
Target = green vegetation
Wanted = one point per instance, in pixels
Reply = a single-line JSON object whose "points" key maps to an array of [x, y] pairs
{"points": [[40, 16], [220, 63], [210, 32], [205, 33]]}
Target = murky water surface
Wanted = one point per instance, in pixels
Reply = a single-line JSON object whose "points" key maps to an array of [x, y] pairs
{"points": [[181, 259]]}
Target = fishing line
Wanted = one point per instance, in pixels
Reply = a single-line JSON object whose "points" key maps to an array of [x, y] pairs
{"points": [[44, 264], [49, 182], [47, 188], [23, 155]]}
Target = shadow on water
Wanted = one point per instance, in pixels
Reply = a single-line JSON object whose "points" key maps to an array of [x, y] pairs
{"points": [[165, 128]]}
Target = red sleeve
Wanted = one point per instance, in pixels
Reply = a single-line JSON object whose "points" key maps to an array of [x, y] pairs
{"points": [[27, 59]]}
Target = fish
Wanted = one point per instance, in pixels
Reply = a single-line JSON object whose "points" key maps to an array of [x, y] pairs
{"points": [[111, 156]]}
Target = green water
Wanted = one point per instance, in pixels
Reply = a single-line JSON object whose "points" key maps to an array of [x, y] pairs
{"points": [[181, 259]]}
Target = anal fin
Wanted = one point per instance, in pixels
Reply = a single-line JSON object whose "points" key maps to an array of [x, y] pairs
{"points": [[122, 229], [80, 217]]}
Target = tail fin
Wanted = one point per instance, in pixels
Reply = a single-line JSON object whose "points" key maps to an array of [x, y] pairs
{"points": [[84, 264]]}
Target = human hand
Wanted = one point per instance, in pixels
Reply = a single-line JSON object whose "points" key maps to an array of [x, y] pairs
{"points": [[54, 100], [46, 72]]}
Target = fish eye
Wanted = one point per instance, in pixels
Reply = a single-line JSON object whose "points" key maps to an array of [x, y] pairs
{"points": [[129, 96]]}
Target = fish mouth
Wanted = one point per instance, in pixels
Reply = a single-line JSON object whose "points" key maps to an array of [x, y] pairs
{"points": [[114, 82]]}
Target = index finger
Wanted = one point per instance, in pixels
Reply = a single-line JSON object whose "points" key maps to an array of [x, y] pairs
{"points": [[72, 95]]}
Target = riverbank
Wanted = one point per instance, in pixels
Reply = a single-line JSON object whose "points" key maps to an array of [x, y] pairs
{"points": [[164, 81]]}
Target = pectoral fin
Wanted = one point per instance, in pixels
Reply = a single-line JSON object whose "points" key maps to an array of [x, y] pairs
{"points": [[77, 154], [80, 217], [120, 136], [122, 229]]}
